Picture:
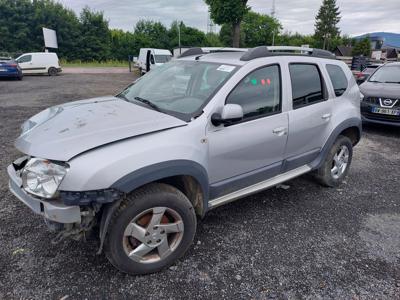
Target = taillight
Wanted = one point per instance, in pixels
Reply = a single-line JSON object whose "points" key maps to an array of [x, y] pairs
{"points": [[12, 65], [360, 75]]}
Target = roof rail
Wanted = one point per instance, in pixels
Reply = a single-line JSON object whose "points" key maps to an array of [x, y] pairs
{"points": [[192, 51], [266, 51], [207, 50]]}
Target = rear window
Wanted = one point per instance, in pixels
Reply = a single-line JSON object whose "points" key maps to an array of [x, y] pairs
{"points": [[338, 78], [307, 87]]}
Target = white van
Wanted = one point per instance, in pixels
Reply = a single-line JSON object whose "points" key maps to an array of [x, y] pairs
{"points": [[149, 58], [39, 63]]}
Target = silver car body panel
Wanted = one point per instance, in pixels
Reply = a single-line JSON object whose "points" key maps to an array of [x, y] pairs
{"points": [[80, 126]]}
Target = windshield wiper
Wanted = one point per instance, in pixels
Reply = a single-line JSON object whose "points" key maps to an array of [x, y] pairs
{"points": [[398, 82], [148, 103], [123, 97], [375, 81]]}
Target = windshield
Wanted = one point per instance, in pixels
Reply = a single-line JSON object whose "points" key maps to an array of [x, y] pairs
{"points": [[162, 58], [181, 88], [388, 74]]}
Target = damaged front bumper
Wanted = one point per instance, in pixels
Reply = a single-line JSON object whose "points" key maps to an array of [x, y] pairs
{"points": [[53, 210]]}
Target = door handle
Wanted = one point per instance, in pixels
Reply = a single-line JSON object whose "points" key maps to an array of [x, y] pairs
{"points": [[326, 116], [279, 131]]}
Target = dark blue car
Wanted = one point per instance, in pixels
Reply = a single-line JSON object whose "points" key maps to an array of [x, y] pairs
{"points": [[10, 68]]}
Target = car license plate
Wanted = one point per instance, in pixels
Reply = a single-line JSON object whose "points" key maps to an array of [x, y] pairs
{"points": [[386, 111], [3, 69]]}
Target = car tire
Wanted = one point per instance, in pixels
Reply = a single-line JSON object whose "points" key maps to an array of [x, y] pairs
{"points": [[52, 71], [20, 77], [150, 230], [337, 163]]}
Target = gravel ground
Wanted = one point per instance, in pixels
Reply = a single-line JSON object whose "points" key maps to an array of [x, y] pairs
{"points": [[305, 242]]}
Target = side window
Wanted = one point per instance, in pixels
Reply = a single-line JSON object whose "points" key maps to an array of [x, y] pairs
{"points": [[259, 93], [25, 58], [338, 78], [307, 87]]}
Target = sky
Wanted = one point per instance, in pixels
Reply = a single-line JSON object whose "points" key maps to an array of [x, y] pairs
{"points": [[358, 16]]}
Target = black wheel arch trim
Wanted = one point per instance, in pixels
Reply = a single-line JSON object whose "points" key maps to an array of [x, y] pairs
{"points": [[349, 123], [158, 171]]}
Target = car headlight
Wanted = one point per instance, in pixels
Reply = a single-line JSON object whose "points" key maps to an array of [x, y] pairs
{"points": [[41, 177]]}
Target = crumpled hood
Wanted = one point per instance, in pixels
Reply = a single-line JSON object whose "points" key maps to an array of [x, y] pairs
{"points": [[383, 90], [62, 132]]}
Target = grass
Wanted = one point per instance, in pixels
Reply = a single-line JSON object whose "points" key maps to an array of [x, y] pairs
{"points": [[94, 64]]}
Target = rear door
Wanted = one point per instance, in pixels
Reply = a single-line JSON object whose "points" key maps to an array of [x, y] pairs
{"points": [[251, 150], [310, 117]]}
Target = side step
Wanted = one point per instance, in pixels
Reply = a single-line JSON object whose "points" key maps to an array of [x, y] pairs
{"points": [[258, 186]]}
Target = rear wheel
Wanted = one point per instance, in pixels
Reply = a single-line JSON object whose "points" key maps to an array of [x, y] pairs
{"points": [[337, 162], [52, 71], [152, 228], [20, 77]]}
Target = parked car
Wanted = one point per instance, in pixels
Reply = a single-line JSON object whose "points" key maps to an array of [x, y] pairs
{"points": [[193, 134], [10, 68], [364, 74], [381, 96], [39, 63], [150, 58]]}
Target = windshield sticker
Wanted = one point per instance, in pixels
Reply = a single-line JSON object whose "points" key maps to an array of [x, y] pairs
{"points": [[226, 68]]}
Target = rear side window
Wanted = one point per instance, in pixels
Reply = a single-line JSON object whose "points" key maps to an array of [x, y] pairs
{"points": [[26, 58], [338, 78], [259, 93], [307, 87]]}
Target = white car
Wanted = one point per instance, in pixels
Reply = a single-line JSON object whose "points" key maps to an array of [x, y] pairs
{"points": [[39, 63], [149, 58]]}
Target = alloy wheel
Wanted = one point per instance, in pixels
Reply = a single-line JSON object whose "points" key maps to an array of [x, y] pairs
{"points": [[340, 162], [153, 235]]}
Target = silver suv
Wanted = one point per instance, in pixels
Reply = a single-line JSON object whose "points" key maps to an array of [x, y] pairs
{"points": [[191, 135]]}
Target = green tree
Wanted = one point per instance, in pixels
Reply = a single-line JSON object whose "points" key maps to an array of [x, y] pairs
{"points": [[189, 36], [326, 23], [229, 12], [122, 44], [212, 40], [150, 34], [259, 29], [95, 36], [295, 39], [362, 47], [21, 23]]}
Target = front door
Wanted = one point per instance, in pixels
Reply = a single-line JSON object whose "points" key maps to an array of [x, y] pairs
{"points": [[251, 150]]}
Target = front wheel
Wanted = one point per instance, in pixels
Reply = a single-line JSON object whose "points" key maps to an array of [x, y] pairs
{"points": [[151, 229], [337, 163]]}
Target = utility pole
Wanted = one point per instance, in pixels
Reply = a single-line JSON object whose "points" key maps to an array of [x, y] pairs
{"points": [[273, 9], [179, 37], [273, 12], [210, 23]]}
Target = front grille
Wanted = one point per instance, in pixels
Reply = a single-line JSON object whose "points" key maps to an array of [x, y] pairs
{"points": [[375, 101], [381, 117]]}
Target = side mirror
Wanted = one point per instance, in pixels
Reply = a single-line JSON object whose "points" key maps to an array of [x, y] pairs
{"points": [[230, 113]]}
